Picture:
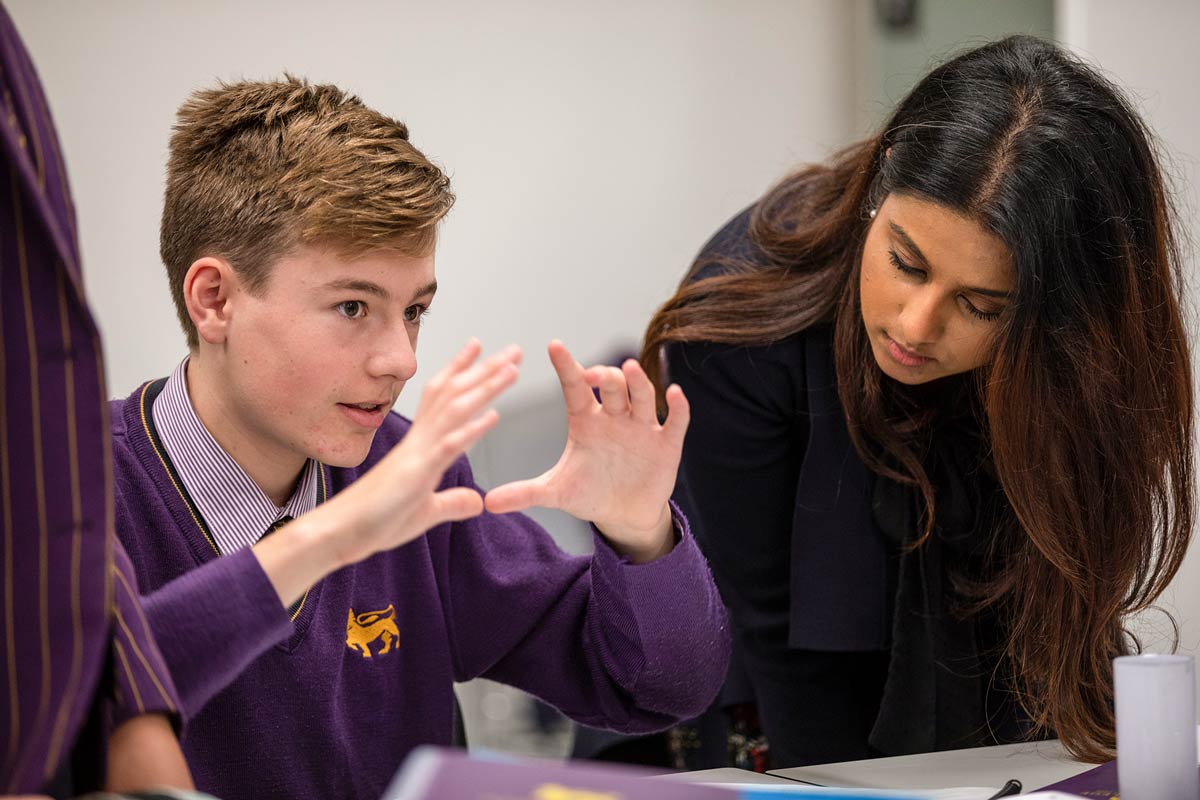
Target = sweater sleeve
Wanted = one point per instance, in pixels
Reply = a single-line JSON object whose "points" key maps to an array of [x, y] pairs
{"points": [[615, 645], [213, 621], [142, 682]]}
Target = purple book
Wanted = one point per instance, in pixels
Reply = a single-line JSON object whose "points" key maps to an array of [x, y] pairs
{"points": [[434, 773], [430, 773], [1099, 782]]}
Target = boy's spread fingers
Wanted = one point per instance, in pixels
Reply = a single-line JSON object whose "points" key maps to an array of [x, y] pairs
{"points": [[641, 392], [466, 405], [512, 354], [515, 496], [453, 505], [614, 394], [480, 372], [469, 352], [679, 414], [457, 363], [445, 404], [576, 393], [461, 440], [464, 357]]}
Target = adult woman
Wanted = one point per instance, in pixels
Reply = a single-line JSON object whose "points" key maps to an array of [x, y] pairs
{"points": [[942, 415]]}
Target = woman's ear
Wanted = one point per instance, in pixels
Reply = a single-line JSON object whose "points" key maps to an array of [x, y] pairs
{"points": [[207, 290]]}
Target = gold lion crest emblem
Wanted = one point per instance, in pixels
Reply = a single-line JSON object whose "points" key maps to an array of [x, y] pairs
{"points": [[364, 628]]}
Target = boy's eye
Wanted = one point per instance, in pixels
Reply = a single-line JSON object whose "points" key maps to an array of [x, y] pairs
{"points": [[352, 309], [415, 313]]}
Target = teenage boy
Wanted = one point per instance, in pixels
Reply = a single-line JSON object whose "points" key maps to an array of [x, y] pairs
{"points": [[298, 235]]}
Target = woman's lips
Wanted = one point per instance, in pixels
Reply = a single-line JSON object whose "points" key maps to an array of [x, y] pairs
{"points": [[904, 356]]}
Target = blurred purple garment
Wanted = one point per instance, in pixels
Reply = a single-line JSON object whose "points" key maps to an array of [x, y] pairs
{"points": [[75, 647]]}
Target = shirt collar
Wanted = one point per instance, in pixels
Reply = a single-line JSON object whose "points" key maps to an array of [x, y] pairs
{"points": [[237, 511]]}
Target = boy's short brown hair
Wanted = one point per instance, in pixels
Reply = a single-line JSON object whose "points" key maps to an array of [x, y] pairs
{"points": [[259, 168]]}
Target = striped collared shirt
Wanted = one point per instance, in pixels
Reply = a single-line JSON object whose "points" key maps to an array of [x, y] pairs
{"points": [[236, 510]]}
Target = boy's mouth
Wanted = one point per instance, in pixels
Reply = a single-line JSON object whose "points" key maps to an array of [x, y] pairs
{"points": [[368, 415]]}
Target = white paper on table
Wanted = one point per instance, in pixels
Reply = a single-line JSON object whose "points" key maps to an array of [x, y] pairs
{"points": [[956, 793], [800, 790]]}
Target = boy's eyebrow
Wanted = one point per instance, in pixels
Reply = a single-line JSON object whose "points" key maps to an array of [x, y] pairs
{"points": [[428, 289], [368, 287], [362, 287], [911, 246]]}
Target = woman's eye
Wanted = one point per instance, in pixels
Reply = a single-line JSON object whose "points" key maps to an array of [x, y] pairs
{"points": [[415, 313], [894, 257], [986, 316], [352, 309]]}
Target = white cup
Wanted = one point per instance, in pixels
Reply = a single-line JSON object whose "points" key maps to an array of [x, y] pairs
{"points": [[1156, 727]]}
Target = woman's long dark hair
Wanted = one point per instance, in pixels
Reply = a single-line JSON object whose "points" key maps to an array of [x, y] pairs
{"points": [[1087, 402]]}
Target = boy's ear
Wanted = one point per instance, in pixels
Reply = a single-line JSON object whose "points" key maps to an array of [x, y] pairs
{"points": [[207, 290]]}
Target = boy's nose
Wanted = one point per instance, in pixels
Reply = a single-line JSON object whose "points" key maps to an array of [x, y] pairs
{"points": [[395, 356]]}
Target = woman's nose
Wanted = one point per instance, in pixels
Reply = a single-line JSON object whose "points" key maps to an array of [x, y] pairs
{"points": [[922, 320]]}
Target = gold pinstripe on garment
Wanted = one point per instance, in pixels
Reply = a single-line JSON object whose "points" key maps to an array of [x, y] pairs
{"points": [[137, 696], [133, 641], [14, 698], [110, 493], [60, 165], [14, 695], [324, 497], [144, 624], [163, 460], [38, 154], [38, 467], [66, 703]]}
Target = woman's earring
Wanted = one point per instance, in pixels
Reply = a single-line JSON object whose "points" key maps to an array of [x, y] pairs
{"points": [[872, 213]]}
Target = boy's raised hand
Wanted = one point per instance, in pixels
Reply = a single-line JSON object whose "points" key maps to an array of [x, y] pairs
{"points": [[398, 500], [618, 468]]}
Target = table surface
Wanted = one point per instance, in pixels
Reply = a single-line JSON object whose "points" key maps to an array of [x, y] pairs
{"points": [[1034, 764], [725, 775]]}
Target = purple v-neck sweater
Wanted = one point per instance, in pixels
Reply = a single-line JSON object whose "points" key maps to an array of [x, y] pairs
{"points": [[328, 704]]}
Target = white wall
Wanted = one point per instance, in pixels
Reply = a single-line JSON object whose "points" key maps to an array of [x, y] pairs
{"points": [[1153, 54], [893, 60], [593, 146]]}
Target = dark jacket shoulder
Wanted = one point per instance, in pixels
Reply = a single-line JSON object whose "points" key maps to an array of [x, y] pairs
{"points": [[728, 248]]}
